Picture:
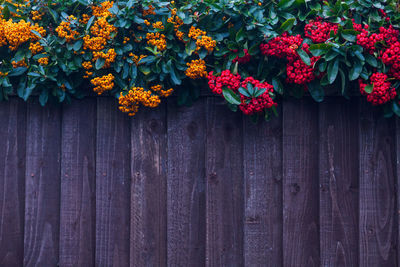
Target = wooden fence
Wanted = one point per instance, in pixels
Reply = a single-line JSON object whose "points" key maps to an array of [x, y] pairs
{"points": [[84, 185]]}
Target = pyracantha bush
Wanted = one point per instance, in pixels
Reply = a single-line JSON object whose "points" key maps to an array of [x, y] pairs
{"points": [[251, 52]]}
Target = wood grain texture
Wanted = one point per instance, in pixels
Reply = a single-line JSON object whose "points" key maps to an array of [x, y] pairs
{"points": [[186, 228], [378, 219], [112, 185], [300, 183], [42, 188], [338, 168], [262, 144], [78, 154], [224, 186], [12, 181], [148, 242]]}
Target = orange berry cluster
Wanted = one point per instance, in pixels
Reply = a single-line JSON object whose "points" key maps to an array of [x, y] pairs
{"points": [[35, 48], [163, 93], [17, 33], [202, 40], [177, 22], [85, 19], [36, 15], [102, 10], [64, 30], [207, 42], [149, 11], [137, 58], [196, 69], [43, 61], [20, 63], [109, 57], [130, 102], [158, 25], [3, 74], [157, 40], [103, 83], [87, 65]]}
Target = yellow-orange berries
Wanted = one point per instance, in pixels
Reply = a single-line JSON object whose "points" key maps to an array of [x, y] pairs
{"points": [[64, 30], [3, 74], [157, 40], [206, 42], [149, 11], [36, 15], [102, 10], [43, 61], [158, 25], [103, 83], [35, 48], [194, 33], [20, 63], [17, 33], [129, 103], [196, 69], [136, 59], [109, 57]]}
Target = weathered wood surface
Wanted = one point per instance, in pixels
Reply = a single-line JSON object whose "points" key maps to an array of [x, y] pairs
{"points": [[85, 185]]}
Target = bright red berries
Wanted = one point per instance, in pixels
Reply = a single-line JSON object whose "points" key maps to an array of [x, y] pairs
{"points": [[283, 46], [319, 31], [249, 104], [242, 60], [299, 73], [382, 91], [225, 79]]}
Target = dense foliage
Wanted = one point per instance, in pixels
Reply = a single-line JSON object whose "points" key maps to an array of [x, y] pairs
{"points": [[250, 52]]}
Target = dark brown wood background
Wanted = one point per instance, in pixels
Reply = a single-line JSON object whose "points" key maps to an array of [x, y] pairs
{"points": [[85, 185]]}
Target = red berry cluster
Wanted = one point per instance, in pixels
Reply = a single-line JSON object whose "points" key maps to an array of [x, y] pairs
{"points": [[283, 46], [384, 14], [250, 106], [225, 79], [318, 31], [368, 41], [242, 60], [391, 57], [382, 91], [299, 73]]}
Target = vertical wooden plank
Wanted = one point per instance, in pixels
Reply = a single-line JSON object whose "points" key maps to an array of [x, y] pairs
{"points": [[300, 183], [42, 188], [224, 186], [263, 192], [112, 185], [185, 185], [77, 229], [378, 220], [338, 150], [12, 181], [149, 188]]}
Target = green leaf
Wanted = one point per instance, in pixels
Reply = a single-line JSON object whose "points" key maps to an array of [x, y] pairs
{"points": [[278, 87], [303, 55], [17, 71], [287, 25], [43, 97], [371, 60], [90, 22], [333, 69], [78, 45], [316, 91], [251, 89], [355, 71], [369, 88], [230, 96], [318, 49], [350, 35], [100, 63], [396, 108], [239, 35], [259, 92], [285, 3], [244, 91]]}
